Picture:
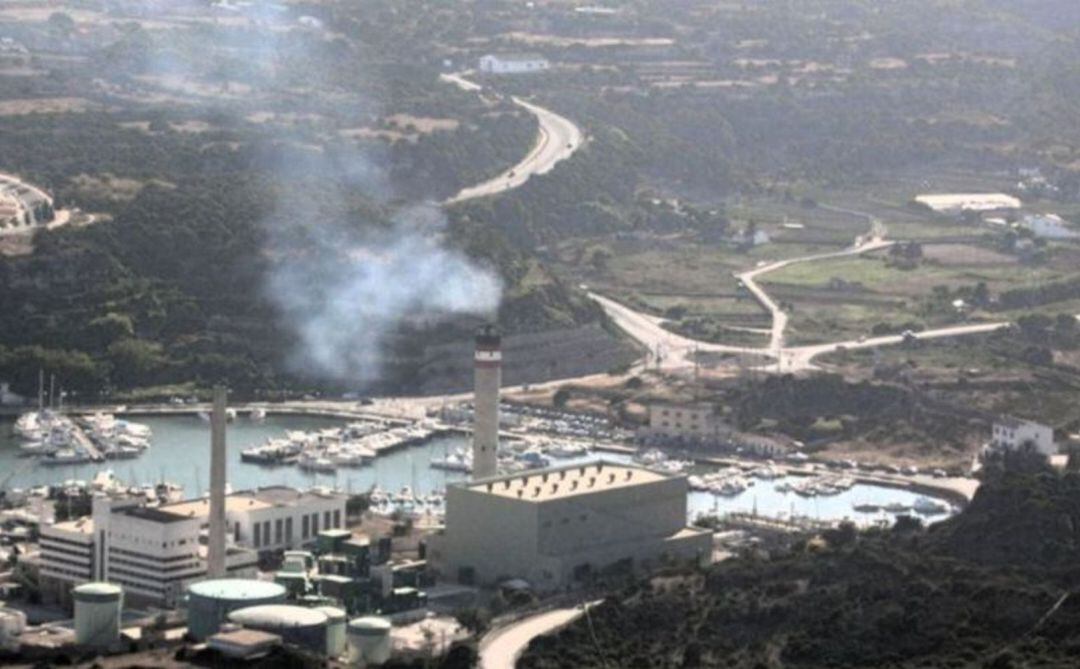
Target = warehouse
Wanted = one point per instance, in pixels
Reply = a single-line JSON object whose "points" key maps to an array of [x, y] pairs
{"points": [[558, 526]]}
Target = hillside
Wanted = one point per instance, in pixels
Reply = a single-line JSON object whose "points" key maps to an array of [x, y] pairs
{"points": [[973, 591]]}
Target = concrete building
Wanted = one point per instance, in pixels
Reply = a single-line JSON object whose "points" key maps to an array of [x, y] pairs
{"points": [[689, 421], [487, 366], [155, 552], [558, 526], [513, 63], [1013, 434]]}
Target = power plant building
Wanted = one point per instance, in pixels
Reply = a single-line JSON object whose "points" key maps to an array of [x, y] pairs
{"points": [[155, 552], [558, 526]]}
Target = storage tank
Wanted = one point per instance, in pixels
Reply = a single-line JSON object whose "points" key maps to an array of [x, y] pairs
{"points": [[336, 622], [97, 614], [12, 625], [210, 602], [369, 641], [294, 624]]}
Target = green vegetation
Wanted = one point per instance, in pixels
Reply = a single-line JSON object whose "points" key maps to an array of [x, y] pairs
{"points": [[990, 588]]}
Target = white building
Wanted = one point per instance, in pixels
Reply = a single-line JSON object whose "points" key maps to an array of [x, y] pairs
{"points": [[556, 527], [513, 63], [955, 203], [1013, 434], [1048, 226], [155, 552]]}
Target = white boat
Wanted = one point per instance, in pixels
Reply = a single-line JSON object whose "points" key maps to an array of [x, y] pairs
{"points": [[316, 463], [567, 450], [458, 461], [258, 414], [896, 507], [928, 506]]}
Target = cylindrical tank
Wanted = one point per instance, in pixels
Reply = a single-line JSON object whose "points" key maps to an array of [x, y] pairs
{"points": [[13, 624], [336, 621], [369, 641], [210, 602], [97, 614], [294, 624]]}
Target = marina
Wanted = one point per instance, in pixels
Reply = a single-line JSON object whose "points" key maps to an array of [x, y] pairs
{"points": [[409, 468]]}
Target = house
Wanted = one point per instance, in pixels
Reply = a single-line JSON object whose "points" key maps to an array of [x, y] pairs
{"points": [[1013, 434], [513, 63], [683, 421], [1048, 226]]}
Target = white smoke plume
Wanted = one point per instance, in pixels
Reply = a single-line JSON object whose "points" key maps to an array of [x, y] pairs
{"points": [[344, 299], [342, 285]]}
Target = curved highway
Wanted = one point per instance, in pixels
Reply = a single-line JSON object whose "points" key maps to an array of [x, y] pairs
{"points": [[557, 139]]}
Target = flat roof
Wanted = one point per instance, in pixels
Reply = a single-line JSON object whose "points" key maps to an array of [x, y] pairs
{"points": [[201, 507], [968, 201], [543, 485], [83, 525], [152, 514]]}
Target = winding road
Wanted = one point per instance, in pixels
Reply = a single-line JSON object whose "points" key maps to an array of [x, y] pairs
{"points": [[502, 647], [670, 351], [557, 139]]}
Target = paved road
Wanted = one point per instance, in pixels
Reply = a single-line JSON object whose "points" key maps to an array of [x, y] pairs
{"points": [[779, 318], [557, 139], [501, 648], [675, 349]]}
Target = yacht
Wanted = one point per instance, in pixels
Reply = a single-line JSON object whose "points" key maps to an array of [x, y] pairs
{"points": [[316, 463], [258, 414], [567, 450], [896, 507], [929, 507], [458, 461]]}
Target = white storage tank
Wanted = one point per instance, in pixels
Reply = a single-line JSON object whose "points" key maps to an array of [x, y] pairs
{"points": [[369, 641], [97, 614], [294, 624], [12, 625], [336, 621], [210, 602]]}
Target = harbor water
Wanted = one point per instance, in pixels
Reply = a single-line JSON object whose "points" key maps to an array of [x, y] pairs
{"points": [[180, 454]]}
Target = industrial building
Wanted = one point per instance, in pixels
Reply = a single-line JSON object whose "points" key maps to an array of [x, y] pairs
{"points": [[154, 552], [558, 526]]}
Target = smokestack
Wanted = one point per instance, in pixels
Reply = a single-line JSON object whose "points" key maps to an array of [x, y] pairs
{"points": [[216, 546], [488, 377]]}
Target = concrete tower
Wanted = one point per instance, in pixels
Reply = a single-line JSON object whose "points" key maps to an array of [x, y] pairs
{"points": [[215, 567], [488, 375]]}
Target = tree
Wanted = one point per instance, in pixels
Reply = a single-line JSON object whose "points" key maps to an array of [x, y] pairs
{"points": [[560, 398]]}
